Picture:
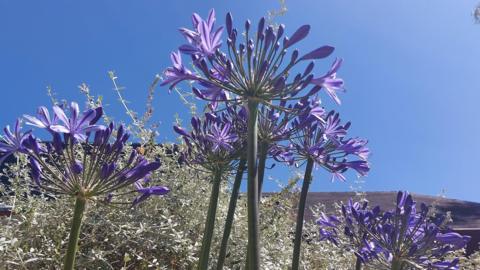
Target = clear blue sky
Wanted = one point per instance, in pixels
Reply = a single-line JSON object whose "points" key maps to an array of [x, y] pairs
{"points": [[412, 69]]}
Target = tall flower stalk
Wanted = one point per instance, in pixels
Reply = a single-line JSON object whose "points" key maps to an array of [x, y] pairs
{"points": [[231, 213], [213, 145], [84, 160], [253, 71], [238, 116], [323, 142]]}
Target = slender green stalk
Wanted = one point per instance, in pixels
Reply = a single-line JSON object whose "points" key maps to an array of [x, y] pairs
{"points": [[262, 159], [253, 254], [358, 264], [231, 213], [397, 264], [210, 223], [300, 214], [74, 233]]}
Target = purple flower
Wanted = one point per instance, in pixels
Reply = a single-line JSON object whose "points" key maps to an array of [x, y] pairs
{"points": [[13, 142], [42, 120], [77, 124], [332, 128], [77, 167], [145, 193], [395, 236], [211, 93], [96, 168], [214, 140], [451, 238], [221, 137], [330, 82], [204, 40], [356, 146], [177, 73], [324, 141], [258, 66]]}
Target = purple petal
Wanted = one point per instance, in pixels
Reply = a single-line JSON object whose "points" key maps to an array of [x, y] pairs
{"points": [[229, 23], [33, 121], [61, 115], [86, 118], [180, 131], [211, 18], [319, 53], [300, 34], [59, 128], [98, 114], [75, 111], [187, 49]]}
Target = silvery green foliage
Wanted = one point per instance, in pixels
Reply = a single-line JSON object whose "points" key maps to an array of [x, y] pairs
{"points": [[472, 262], [163, 233]]}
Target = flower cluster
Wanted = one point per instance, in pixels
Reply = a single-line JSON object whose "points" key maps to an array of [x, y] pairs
{"points": [[324, 140], [259, 73], [258, 67], [214, 142], [83, 158], [397, 239]]}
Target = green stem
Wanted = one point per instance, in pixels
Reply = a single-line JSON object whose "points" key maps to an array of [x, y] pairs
{"points": [[231, 213], [210, 223], [300, 214], [262, 159], [253, 254], [358, 264], [74, 233], [396, 264]]}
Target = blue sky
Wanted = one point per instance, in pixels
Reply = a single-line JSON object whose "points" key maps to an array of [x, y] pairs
{"points": [[412, 70]]}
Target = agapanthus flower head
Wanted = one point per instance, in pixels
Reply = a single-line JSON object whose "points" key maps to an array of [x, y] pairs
{"points": [[397, 238], [213, 141], [276, 124], [257, 67], [325, 141], [82, 159]]}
